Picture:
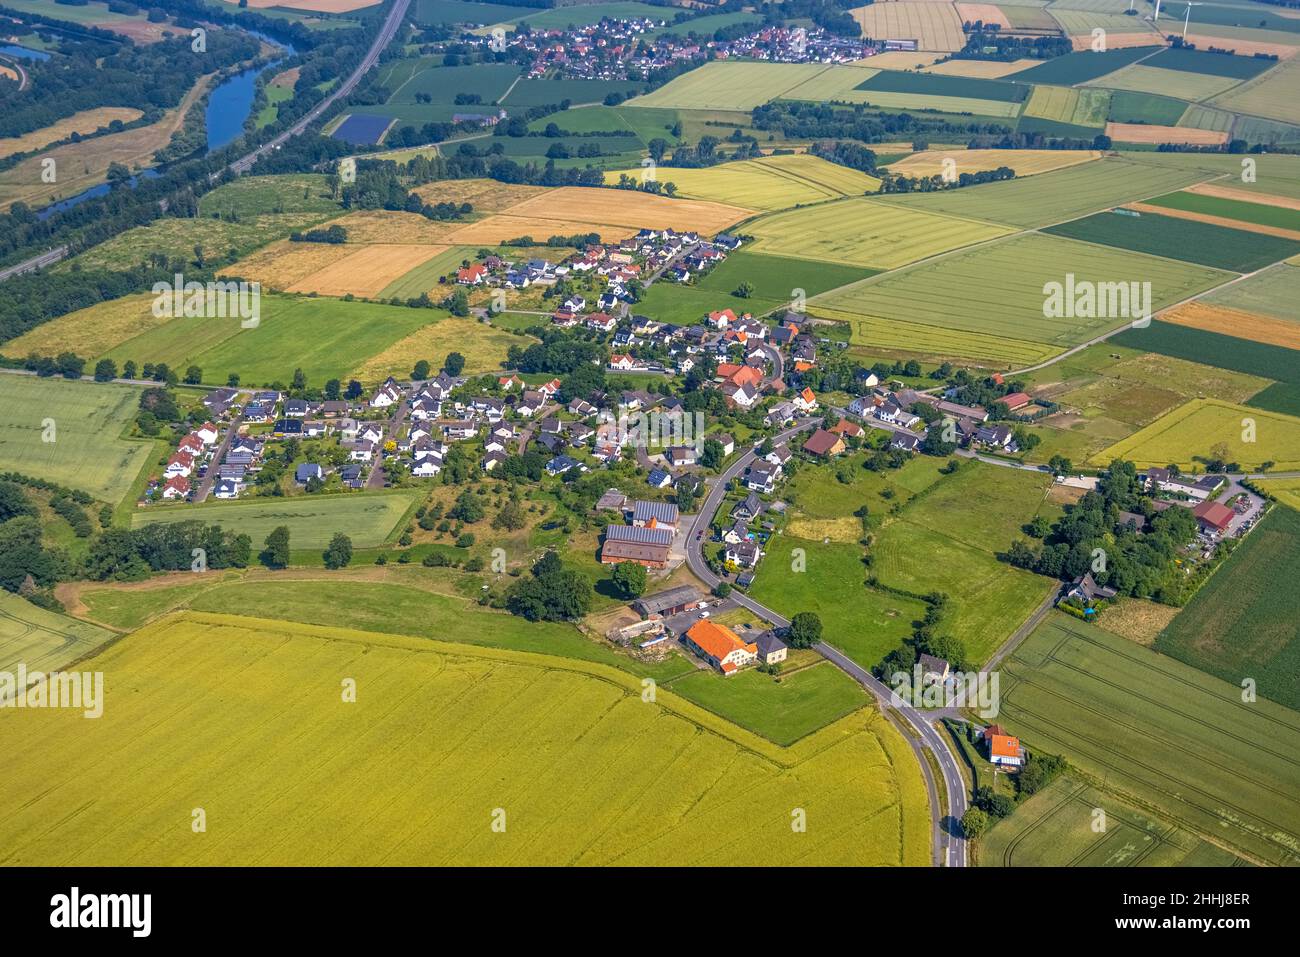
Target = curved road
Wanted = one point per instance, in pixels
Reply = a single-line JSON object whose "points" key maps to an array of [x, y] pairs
{"points": [[949, 847]]}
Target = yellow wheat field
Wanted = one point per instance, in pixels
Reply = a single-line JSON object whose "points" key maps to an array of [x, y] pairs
{"points": [[1024, 162], [981, 69], [1148, 133], [485, 195], [935, 26], [284, 263], [367, 270]]}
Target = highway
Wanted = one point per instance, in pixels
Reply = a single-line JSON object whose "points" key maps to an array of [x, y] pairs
{"points": [[949, 846]]}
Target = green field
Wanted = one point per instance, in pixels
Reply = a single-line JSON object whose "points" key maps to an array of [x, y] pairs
{"points": [[863, 232], [1196, 428], [424, 277], [527, 93], [1161, 733], [1270, 95], [71, 433], [42, 640], [326, 338], [262, 195], [1129, 107], [1213, 349], [368, 518], [1054, 197], [647, 124], [782, 709], [1205, 244], [1243, 622], [1064, 104], [437, 12], [730, 85], [998, 289], [1258, 213], [1081, 66], [1273, 292], [1059, 827], [249, 714], [1211, 64]]}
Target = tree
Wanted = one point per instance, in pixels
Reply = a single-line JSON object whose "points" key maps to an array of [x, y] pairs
{"points": [[354, 389], [339, 552], [511, 517], [974, 823], [105, 370], [1059, 465], [421, 370], [458, 303], [454, 364], [630, 579], [276, 554], [713, 454], [553, 593], [332, 389], [744, 291], [193, 375], [805, 630]]}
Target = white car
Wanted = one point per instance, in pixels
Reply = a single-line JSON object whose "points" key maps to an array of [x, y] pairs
{"points": [[704, 614]]}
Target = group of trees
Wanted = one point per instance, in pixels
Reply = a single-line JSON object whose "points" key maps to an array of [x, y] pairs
{"points": [[550, 592], [896, 183]]}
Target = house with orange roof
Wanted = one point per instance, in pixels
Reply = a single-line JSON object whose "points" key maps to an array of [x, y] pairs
{"points": [[471, 275], [848, 430], [806, 400], [720, 646], [722, 318], [1004, 749]]}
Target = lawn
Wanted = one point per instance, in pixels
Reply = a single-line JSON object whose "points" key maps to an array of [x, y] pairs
{"points": [[1054, 197], [1243, 623], [864, 232], [367, 517], [1251, 437], [1176, 238], [782, 709], [249, 713], [1057, 828], [42, 640], [326, 338], [999, 289], [71, 433], [1162, 733]]}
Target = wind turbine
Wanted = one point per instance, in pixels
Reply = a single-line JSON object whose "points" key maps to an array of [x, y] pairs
{"points": [[1188, 19], [1156, 19]]}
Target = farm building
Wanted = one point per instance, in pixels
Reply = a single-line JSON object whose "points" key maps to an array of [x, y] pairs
{"points": [[1214, 518], [720, 646], [771, 649], [628, 543], [824, 444], [655, 515], [670, 602]]}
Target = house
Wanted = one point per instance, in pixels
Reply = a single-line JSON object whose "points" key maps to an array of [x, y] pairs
{"points": [[655, 515], [726, 441], [997, 436], [738, 533], [1086, 589], [258, 412], [762, 477], [459, 429], [207, 433], [1157, 479], [530, 403], [287, 427], [182, 463], [867, 379], [191, 444], [176, 487], [805, 401], [492, 460], [680, 456], [601, 321], [508, 382], [905, 441], [427, 467], [622, 363], [771, 649], [351, 476], [296, 408], [1003, 748], [722, 318], [333, 408], [846, 429], [581, 408], [824, 444], [362, 451], [659, 478], [673, 601], [387, 395], [748, 508], [219, 400], [1214, 518], [561, 464], [473, 275], [226, 488], [306, 472], [743, 554], [645, 546], [933, 670], [315, 428], [781, 413], [551, 426], [958, 411], [720, 646], [1133, 521]]}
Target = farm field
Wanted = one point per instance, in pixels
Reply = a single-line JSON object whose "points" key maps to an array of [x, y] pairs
{"points": [[1155, 135], [783, 712], [368, 270], [658, 796], [1024, 162], [897, 337], [84, 123], [935, 26], [1081, 66], [980, 69], [1211, 64], [1055, 828], [484, 348], [1161, 733], [325, 338], [42, 640], [1175, 238], [1136, 108], [1273, 292], [485, 195], [998, 289], [729, 85], [1270, 94], [1225, 210], [1199, 426], [1064, 104], [771, 183], [1054, 197], [425, 276], [1202, 314], [70, 433], [259, 195], [864, 232], [1242, 623], [367, 518]]}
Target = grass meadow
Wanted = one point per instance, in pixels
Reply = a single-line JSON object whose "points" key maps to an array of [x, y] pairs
{"points": [[42, 640]]}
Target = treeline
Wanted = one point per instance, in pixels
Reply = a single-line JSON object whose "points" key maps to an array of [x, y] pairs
{"points": [[852, 155], [335, 235], [894, 183], [985, 42], [122, 554], [799, 120]]}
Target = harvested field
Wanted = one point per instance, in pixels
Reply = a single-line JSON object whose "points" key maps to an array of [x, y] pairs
{"points": [[1245, 195], [485, 195], [424, 277], [366, 271], [980, 69], [92, 331], [1283, 51], [500, 228], [1145, 133], [729, 85], [9, 73], [483, 346], [85, 122], [935, 26], [1236, 323], [1137, 620], [1024, 162], [391, 226], [1115, 41], [1176, 213], [283, 264], [987, 12], [618, 208], [83, 165], [901, 60]]}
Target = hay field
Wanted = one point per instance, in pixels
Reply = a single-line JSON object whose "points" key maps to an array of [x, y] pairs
{"points": [[570, 209], [998, 289], [40, 639], [283, 263], [1271, 94], [729, 85], [71, 433], [483, 346], [439, 736], [485, 195], [1195, 428], [989, 13], [935, 26], [1064, 104], [901, 60], [366, 271], [1146, 133], [1236, 323], [770, 183], [392, 226], [1024, 162], [980, 69], [85, 122], [92, 331], [83, 165], [834, 83], [862, 232], [1242, 47]]}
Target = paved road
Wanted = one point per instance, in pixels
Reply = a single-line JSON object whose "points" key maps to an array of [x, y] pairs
{"points": [[386, 34], [392, 429], [48, 258], [214, 464], [949, 846]]}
